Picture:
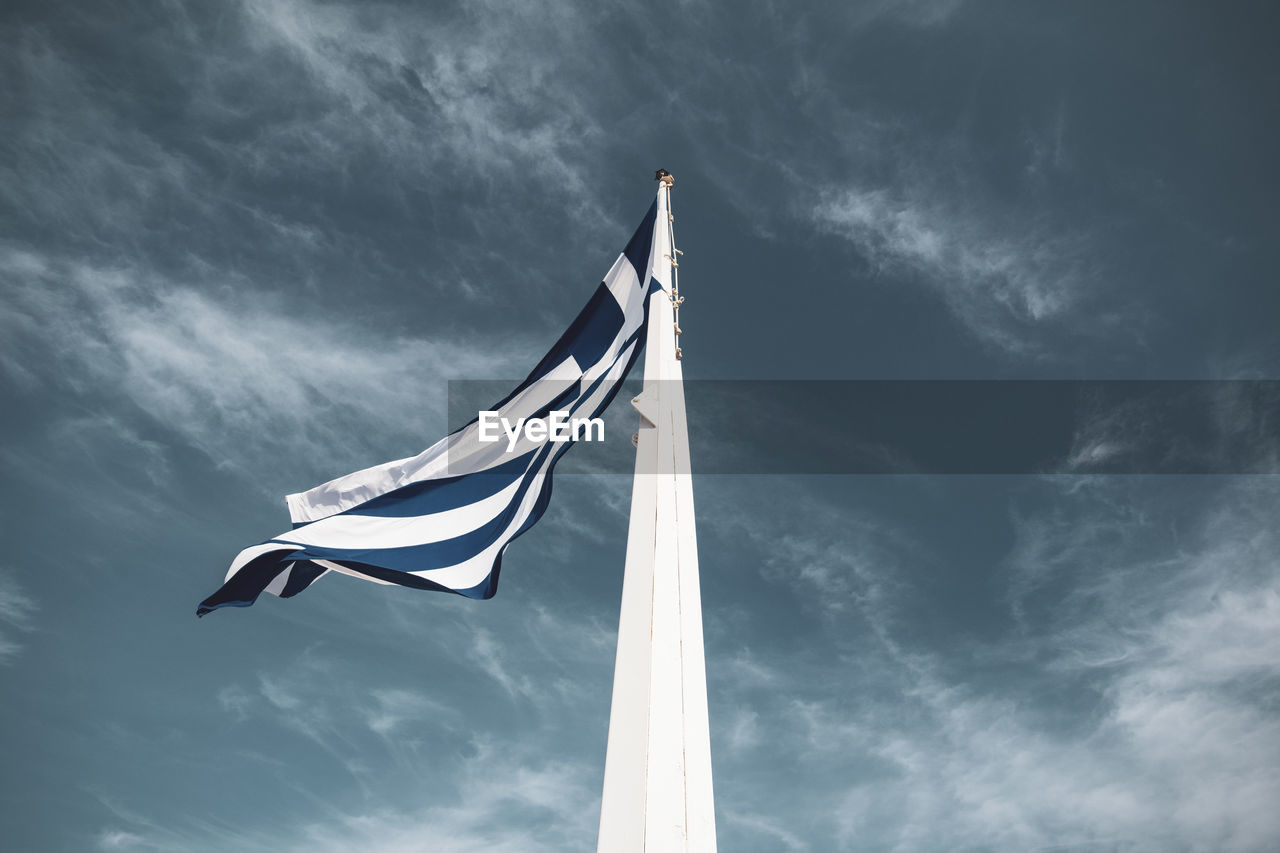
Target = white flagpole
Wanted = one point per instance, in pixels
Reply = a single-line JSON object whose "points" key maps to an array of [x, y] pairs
{"points": [[657, 774]]}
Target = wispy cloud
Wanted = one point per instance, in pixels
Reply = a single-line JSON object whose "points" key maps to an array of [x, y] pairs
{"points": [[236, 701], [1180, 652], [742, 730], [919, 13], [16, 611], [486, 653], [1137, 682], [757, 825], [118, 839], [483, 791], [1001, 279], [394, 708], [303, 93], [915, 199], [1168, 738], [237, 375], [131, 830], [1211, 426], [842, 561], [471, 99]]}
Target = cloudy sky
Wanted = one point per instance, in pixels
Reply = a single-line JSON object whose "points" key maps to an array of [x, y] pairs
{"points": [[244, 246]]}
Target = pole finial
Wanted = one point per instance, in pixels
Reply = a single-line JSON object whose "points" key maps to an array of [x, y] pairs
{"points": [[666, 177]]}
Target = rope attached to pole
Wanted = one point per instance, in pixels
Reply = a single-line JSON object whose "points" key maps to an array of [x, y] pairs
{"points": [[668, 181]]}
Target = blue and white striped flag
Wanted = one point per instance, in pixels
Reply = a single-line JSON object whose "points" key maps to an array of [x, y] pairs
{"points": [[442, 519]]}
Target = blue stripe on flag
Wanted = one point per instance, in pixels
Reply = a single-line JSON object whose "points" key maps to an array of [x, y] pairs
{"points": [[244, 587], [301, 576], [586, 339], [431, 496], [414, 581], [641, 244]]}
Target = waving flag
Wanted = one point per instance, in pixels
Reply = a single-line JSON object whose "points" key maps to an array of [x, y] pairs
{"points": [[442, 519]]}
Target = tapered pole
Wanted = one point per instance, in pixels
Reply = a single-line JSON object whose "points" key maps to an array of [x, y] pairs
{"points": [[657, 778]]}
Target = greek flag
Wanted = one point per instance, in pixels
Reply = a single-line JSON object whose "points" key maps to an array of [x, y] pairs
{"points": [[442, 519]]}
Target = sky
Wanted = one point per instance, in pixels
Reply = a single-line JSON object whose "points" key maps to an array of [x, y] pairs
{"points": [[245, 247]]}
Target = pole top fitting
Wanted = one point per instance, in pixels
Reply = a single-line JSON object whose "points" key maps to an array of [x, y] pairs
{"points": [[666, 177]]}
